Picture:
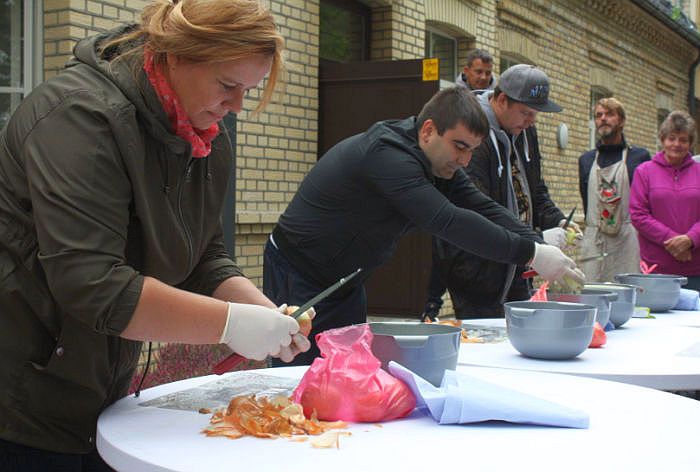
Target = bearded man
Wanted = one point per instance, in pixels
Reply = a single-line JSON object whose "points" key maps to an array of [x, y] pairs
{"points": [[605, 177]]}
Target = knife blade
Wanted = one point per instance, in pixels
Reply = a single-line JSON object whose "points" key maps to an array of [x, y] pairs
{"points": [[602, 255], [234, 359], [302, 309], [568, 218]]}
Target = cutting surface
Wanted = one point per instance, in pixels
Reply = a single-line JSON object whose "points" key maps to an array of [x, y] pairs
{"points": [[625, 419]]}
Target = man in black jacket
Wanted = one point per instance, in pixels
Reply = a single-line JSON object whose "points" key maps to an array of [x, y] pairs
{"points": [[370, 189], [507, 168]]}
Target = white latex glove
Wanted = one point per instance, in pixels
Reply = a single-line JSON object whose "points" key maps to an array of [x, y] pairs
{"points": [[256, 332], [300, 343], [554, 265], [555, 237]]}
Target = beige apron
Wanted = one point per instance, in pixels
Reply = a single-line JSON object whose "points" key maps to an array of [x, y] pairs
{"points": [[608, 225]]}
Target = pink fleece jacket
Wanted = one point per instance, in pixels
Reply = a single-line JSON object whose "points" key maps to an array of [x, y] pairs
{"points": [[665, 202]]}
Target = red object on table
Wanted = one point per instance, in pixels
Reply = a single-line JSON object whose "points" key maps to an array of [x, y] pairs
{"points": [[599, 336], [228, 364]]}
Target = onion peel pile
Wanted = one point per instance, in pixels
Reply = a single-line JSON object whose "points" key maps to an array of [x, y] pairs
{"points": [[269, 418]]}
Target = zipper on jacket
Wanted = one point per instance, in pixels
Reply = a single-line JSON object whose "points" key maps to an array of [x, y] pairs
{"points": [[186, 179]]}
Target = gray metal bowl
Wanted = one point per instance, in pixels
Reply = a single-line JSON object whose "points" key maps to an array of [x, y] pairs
{"points": [[424, 348], [550, 330], [601, 299], [658, 292], [622, 309]]}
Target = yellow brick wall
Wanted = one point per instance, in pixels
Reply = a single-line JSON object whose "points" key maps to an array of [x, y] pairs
{"points": [[407, 29], [278, 147], [68, 21], [380, 34]]}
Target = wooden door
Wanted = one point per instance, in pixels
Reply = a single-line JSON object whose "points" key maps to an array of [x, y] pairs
{"points": [[353, 96]]}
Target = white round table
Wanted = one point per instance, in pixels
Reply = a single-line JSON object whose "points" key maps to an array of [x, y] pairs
{"points": [[661, 353], [631, 428], [676, 318]]}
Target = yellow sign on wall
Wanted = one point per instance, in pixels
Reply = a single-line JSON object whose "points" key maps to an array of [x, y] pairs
{"points": [[430, 69]]}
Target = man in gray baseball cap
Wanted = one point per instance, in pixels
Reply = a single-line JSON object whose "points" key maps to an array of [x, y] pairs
{"points": [[527, 84], [506, 167]]}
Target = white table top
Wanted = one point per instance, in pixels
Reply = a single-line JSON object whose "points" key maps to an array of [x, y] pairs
{"points": [[662, 353], [676, 318], [631, 428]]}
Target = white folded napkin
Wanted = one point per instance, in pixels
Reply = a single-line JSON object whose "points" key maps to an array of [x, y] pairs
{"points": [[465, 399], [689, 300]]}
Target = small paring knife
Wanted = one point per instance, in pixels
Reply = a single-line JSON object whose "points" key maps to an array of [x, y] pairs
{"points": [[602, 255]]}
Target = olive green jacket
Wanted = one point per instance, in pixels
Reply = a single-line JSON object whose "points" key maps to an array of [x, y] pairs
{"points": [[95, 193]]}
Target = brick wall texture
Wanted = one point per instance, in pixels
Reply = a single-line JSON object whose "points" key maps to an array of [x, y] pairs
{"points": [[579, 43]]}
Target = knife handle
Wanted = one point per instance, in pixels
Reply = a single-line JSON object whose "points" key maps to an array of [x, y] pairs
{"points": [[228, 364]]}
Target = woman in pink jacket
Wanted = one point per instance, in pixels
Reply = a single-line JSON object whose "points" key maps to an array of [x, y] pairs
{"points": [[665, 202]]}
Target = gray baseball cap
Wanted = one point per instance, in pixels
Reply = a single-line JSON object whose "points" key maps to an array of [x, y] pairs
{"points": [[527, 84]]}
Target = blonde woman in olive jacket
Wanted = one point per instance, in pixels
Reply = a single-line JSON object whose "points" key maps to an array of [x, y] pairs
{"points": [[110, 203]]}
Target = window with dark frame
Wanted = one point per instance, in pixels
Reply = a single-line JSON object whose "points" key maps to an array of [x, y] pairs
{"points": [[20, 53], [508, 61], [344, 31], [444, 48], [12, 61]]}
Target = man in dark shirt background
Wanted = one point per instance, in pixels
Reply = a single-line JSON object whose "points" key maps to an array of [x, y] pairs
{"points": [[370, 189], [605, 177], [478, 71]]}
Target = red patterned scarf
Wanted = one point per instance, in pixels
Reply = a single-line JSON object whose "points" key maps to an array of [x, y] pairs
{"points": [[200, 139]]}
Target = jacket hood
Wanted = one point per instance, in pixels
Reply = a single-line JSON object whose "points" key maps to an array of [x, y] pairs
{"points": [[129, 77], [660, 159], [494, 125], [488, 110]]}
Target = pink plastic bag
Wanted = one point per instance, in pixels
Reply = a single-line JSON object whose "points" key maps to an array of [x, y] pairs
{"points": [[541, 294], [347, 382]]}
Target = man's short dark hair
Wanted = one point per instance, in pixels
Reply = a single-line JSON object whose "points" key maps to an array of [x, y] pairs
{"points": [[475, 54], [497, 91], [451, 106]]}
